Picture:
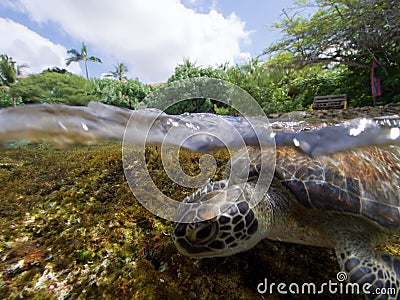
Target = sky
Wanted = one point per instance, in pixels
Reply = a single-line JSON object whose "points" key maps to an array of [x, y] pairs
{"points": [[151, 37]]}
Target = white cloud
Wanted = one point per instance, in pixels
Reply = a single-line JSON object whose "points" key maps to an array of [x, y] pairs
{"points": [[27, 47], [150, 36], [13, 5]]}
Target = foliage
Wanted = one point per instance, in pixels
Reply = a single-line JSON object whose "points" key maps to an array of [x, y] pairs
{"points": [[269, 86], [9, 73], [349, 33], [188, 70], [54, 87], [8, 70], [57, 70], [6, 99], [83, 55], [124, 94], [119, 72], [312, 81]]}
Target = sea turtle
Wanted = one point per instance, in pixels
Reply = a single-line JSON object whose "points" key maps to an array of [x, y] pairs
{"points": [[348, 201]]}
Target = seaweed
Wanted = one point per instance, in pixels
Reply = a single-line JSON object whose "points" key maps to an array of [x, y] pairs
{"points": [[71, 228]]}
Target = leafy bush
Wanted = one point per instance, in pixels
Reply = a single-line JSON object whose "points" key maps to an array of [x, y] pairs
{"points": [[269, 86], [120, 93], [6, 99], [188, 70], [54, 87]]}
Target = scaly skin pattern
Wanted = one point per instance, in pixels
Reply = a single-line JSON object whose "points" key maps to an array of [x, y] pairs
{"points": [[363, 182], [348, 201]]}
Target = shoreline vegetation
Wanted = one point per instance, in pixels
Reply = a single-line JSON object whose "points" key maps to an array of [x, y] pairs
{"points": [[344, 56]]}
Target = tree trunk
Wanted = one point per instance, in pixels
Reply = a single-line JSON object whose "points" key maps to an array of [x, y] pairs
{"points": [[87, 71]]}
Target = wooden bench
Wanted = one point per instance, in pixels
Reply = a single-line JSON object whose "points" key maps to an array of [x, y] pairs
{"points": [[330, 102]]}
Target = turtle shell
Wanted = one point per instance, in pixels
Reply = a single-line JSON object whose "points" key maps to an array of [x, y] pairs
{"points": [[364, 182]]}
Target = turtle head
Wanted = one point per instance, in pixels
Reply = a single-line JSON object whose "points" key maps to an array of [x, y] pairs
{"points": [[233, 230]]}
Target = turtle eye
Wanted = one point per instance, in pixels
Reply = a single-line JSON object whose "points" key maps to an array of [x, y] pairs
{"points": [[204, 232], [180, 229]]}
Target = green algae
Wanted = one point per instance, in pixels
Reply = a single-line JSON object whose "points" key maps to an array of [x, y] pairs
{"points": [[71, 228]]}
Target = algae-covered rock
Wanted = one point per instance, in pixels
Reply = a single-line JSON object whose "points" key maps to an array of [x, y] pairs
{"points": [[71, 228]]}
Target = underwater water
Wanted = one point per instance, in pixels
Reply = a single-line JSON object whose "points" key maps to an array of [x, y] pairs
{"points": [[71, 228], [68, 125]]}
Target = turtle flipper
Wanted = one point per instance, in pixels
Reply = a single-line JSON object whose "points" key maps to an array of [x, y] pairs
{"points": [[363, 266]]}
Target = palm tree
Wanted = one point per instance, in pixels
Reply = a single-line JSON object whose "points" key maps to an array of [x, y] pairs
{"points": [[119, 72], [83, 55], [9, 73]]}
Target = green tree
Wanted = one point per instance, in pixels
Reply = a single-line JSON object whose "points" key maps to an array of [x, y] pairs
{"points": [[269, 86], [120, 93], [119, 72], [81, 56], [8, 70], [345, 32], [54, 87], [9, 74], [57, 70], [187, 70]]}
